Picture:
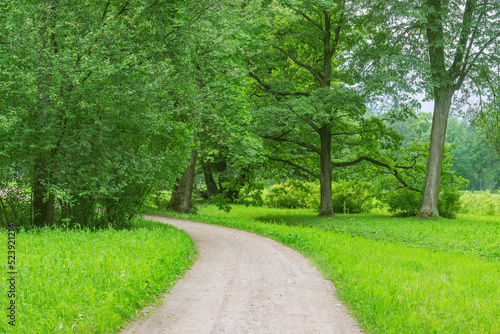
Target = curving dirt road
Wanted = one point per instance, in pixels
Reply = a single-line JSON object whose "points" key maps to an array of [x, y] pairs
{"points": [[244, 283]]}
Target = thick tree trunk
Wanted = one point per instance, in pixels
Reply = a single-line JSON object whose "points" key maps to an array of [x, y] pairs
{"points": [[442, 103], [183, 189], [325, 180]]}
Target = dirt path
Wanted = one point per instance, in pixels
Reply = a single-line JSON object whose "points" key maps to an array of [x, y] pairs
{"points": [[244, 283]]}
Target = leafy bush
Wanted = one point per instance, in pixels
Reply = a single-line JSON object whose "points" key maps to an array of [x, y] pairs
{"points": [[251, 194], [292, 194], [406, 203], [159, 199], [352, 196], [449, 203], [347, 196], [403, 202]]}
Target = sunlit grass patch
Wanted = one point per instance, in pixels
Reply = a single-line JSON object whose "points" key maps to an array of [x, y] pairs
{"points": [[82, 281]]}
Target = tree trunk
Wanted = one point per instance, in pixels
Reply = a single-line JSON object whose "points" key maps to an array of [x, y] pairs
{"points": [[442, 103], [183, 189], [43, 204], [212, 189], [43, 201], [325, 180]]}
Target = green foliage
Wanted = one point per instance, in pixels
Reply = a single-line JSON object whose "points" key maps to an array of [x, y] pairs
{"points": [[15, 205], [292, 194], [251, 194], [396, 275], [449, 203], [91, 106], [480, 202], [159, 199], [83, 281], [347, 196], [406, 202], [403, 202], [352, 196], [222, 202]]}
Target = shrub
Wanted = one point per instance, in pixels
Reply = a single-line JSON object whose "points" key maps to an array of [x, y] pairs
{"points": [[313, 200], [251, 194], [449, 203], [159, 199], [347, 196], [352, 196], [406, 203], [403, 202], [291, 194]]}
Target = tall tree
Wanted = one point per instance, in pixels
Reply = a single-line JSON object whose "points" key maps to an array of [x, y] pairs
{"points": [[92, 115], [445, 45], [486, 112], [307, 104], [225, 146]]}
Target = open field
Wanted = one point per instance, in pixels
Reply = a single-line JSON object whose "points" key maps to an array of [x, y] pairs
{"points": [[393, 278], [82, 281]]}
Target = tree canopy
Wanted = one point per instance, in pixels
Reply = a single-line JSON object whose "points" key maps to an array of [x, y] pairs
{"points": [[103, 103]]}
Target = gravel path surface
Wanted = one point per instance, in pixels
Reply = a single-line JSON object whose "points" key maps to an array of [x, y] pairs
{"points": [[244, 283]]}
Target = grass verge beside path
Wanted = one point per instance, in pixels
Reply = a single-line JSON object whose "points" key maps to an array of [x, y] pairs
{"points": [[389, 286], [79, 281], [468, 234]]}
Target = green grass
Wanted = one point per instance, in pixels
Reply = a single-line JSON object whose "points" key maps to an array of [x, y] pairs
{"points": [[396, 275], [80, 281], [475, 235]]}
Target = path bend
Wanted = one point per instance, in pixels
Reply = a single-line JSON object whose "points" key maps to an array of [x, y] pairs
{"points": [[245, 283]]}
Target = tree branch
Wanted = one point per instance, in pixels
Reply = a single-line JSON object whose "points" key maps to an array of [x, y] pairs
{"points": [[471, 63], [293, 141], [288, 162], [268, 87], [306, 119], [315, 74], [354, 133], [337, 36], [124, 8], [464, 37], [105, 11], [308, 18], [378, 163]]}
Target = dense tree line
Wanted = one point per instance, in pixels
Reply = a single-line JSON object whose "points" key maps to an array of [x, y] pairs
{"points": [[104, 102], [97, 103]]}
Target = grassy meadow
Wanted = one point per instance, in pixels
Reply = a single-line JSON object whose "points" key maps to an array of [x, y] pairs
{"points": [[396, 275], [83, 281]]}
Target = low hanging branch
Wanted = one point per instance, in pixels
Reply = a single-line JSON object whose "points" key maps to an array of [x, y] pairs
{"points": [[293, 141], [294, 165], [381, 164], [354, 162]]}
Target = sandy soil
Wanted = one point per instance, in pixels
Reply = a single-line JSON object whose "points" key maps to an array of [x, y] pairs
{"points": [[244, 283]]}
